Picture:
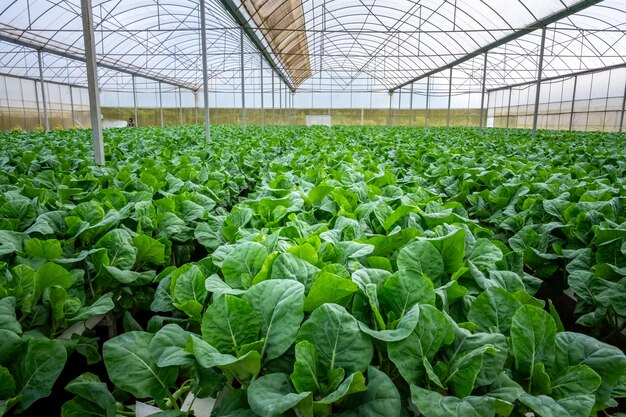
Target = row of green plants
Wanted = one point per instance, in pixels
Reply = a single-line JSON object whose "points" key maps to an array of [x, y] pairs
{"points": [[314, 272]]}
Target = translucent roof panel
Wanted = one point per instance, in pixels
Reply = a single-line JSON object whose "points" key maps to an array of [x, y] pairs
{"points": [[394, 42], [157, 39], [591, 39], [397, 40]]}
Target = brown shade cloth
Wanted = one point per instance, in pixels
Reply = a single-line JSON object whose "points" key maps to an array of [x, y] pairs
{"points": [[281, 22]]}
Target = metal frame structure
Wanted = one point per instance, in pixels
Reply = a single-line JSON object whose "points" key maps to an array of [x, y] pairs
{"points": [[196, 45]]}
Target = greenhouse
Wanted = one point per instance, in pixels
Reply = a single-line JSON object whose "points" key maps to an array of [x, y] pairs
{"points": [[313, 208]]}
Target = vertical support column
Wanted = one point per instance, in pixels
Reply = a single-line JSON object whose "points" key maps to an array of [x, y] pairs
{"points": [[135, 104], [398, 119], [389, 111], [262, 96], [539, 76], [482, 95], [243, 86], [571, 115], [195, 106], [161, 103], [43, 89], [508, 109], [621, 119], [205, 72], [37, 102], [411, 106], [71, 105], [273, 98], [449, 98], [92, 81], [280, 102], [180, 103], [427, 101]]}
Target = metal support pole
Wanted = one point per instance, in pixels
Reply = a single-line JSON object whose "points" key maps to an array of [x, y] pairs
{"points": [[205, 72], [482, 95], [180, 103], [621, 119], [398, 118], [161, 102], [273, 97], [389, 112], [243, 85], [571, 115], [508, 110], [43, 90], [449, 98], [411, 106], [37, 102], [280, 102], [72, 106], [92, 81], [135, 104], [262, 96], [539, 75], [427, 101], [488, 97], [195, 106]]}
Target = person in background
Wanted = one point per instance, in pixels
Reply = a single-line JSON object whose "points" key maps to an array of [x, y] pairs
{"points": [[131, 122]]}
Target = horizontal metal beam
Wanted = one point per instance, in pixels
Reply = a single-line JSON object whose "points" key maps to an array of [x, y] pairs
{"points": [[581, 5], [558, 77], [36, 79], [241, 20], [130, 69]]}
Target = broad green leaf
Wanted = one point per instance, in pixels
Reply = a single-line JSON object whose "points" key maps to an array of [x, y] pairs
{"points": [[402, 290], [131, 368], [120, 250], [402, 329], [35, 370], [532, 338], [575, 380], [381, 399], [229, 323], [167, 347], [51, 275], [545, 406], [89, 387], [422, 257], [433, 404], [305, 370], [242, 368], [352, 384], [464, 370], [217, 286], [279, 306], [452, 249], [8, 319], [7, 384], [48, 249], [337, 338], [188, 290], [328, 288], [149, 251], [485, 254], [102, 305], [607, 361], [272, 395], [289, 266], [243, 263], [431, 333], [493, 310]]}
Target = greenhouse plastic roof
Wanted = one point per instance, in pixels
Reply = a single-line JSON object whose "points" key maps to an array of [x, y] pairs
{"points": [[394, 41]]}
